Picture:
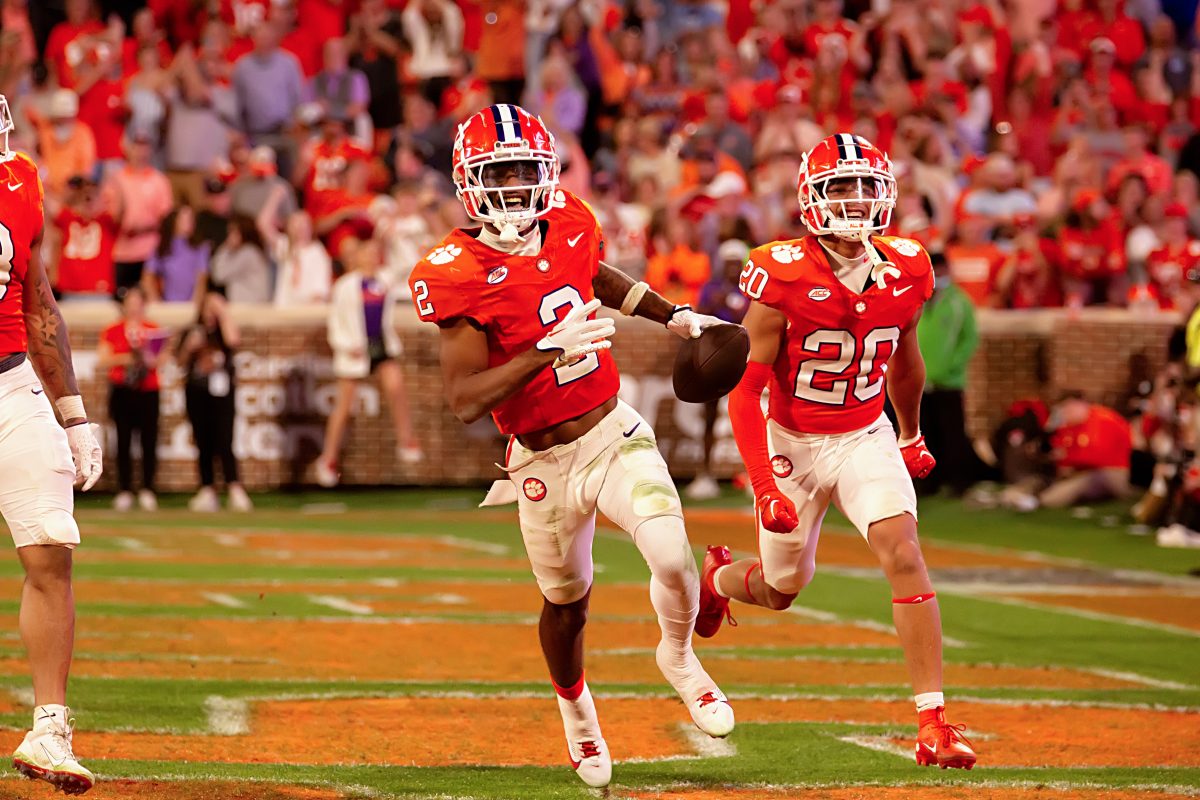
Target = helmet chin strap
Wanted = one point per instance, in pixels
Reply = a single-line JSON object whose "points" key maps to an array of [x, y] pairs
{"points": [[880, 270]]}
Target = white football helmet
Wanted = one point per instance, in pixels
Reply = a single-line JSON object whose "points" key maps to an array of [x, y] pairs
{"points": [[6, 127]]}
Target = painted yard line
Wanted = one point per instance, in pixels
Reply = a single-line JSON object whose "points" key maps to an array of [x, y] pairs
{"points": [[1083, 590], [340, 604], [1154, 683], [23, 695], [133, 545], [222, 599], [444, 598], [880, 744], [703, 746], [489, 548], [1099, 616], [230, 540], [227, 716]]}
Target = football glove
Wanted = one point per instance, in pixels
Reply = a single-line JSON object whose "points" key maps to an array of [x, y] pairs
{"points": [[777, 512], [917, 458], [577, 336]]}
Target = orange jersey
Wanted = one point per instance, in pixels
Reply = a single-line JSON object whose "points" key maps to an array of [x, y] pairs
{"points": [[329, 162], [21, 223], [829, 374], [516, 300]]}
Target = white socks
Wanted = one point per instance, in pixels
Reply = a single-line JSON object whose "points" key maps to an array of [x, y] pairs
{"points": [[927, 701], [717, 580]]}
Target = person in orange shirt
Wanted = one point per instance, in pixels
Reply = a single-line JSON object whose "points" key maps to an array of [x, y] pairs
{"points": [[67, 146], [501, 58], [1093, 252], [1090, 447], [973, 257], [1178, 260], [71, 42], [677, 270]]}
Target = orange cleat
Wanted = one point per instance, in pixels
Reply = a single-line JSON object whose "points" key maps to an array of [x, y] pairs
{"points": [[714, 609], [943, 745]]}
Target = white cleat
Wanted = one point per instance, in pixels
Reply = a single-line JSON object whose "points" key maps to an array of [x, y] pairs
{"points": [[147, 500], [712, 714], [591, 761], [239, 500], [205, 501], [326, 474], [709, 707], [123, 502], [47, 756]]}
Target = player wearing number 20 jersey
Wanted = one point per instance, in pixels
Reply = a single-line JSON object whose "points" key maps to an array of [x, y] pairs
{"points": [[830, 313], [515, 301]]}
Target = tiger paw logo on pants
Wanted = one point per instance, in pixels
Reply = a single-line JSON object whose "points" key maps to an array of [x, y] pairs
{"points": [[534, 489], [444, 254], [781, 466]]}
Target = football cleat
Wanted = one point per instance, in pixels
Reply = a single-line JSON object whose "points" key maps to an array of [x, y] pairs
{"points": [[591, 761], [708, 706], [714, 609], [943, 745], [47, 756]]}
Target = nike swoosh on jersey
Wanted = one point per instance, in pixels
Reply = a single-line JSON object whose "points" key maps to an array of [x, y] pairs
{"points": [[12, 187], [897, 291], [574, 241]]}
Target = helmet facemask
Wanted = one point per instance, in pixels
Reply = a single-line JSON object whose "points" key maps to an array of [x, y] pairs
{"points": [[510, 193], [849, 201], [6, 127]]}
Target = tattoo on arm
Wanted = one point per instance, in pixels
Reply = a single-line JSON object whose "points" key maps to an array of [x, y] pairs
{"points": [[611, 285], [49, 348]]}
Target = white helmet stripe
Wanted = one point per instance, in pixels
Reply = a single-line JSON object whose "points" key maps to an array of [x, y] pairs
{"points": [[848, 146], [508, 125]]}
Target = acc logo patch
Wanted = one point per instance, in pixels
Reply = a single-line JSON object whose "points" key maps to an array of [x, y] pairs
{"points": [[820, 293], [906, 247], [534, 489], [497, 275], [444, 254], [787, 253], [781, 466], [543, 265]]}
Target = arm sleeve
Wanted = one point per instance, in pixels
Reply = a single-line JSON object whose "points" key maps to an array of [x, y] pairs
{"points": [[750, 426]]}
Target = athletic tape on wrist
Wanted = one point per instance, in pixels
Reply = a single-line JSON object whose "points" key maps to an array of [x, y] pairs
{"points": [[633, 297], [70, 407], [910, 442]]}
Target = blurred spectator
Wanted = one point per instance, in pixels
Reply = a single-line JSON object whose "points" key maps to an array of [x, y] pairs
{"points": [[1090, 447], [212, 216], [129, 350], [434, 30], [341, 92], [948, 338], [558, 99], [973, 258], [239, 267], [269, 88], [1139, 160], [362, 334], [324, 162], [140, 198], [721, 298], [1093, 252], [677, 270], [405, 227], [85, 234], [500, 59], [72, 41], [202, 108], [179, 262], [1177, 261], [1000, 198], [1029, 275], [251, 191], [146, 92], [376, 38], [66, 145], [304, 268], [205, 353]]}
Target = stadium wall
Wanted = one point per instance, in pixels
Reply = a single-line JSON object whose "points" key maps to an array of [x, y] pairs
{"points": [[285, 388]]}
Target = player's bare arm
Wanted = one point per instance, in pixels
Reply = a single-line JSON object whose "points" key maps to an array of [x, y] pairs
{"points": [[766, 326], [472, 390], [906, 382], [636, 299], [49, 348]]}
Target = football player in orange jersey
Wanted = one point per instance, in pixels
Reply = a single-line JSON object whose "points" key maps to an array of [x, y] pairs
{"points": [[830, 314], [39, 463], [514, 300]]}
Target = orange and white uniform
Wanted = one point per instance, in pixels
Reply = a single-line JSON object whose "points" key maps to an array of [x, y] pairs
{"points": [[615, 467], [828, 438], [36, 471]]}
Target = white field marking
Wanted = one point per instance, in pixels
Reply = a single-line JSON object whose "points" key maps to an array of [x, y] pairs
{"points": [[353, 789], [1099, 616], [340, 604], [880, 744], [23, 695], [490, 548], [227, 716], [1074, 590], [131, 544], [323, 508], [386, 583], [445, 599], [1134, 677], [230, 540], [222, 599], [702, 746]]}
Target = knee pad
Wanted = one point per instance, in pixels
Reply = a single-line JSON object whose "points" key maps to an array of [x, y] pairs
{"points": [[567, 592], [58, 527]]}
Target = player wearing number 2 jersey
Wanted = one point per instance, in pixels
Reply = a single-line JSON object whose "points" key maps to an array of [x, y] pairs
{"points": [[832, 323], [36, 469], [514, 300]]}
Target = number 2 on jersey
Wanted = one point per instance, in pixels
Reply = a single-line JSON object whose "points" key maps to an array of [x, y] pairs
{"points": [[564, 297], [837, 390]]}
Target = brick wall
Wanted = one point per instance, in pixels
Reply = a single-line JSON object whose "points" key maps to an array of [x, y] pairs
{"points": [[285, 389]]}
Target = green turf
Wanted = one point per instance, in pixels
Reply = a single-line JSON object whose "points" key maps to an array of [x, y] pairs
{"points": [[984, 629]]}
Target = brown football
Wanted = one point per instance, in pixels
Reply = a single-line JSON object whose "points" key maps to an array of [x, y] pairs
{"points": [[708, 367]]}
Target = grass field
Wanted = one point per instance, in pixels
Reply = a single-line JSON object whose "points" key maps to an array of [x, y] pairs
{"points": [[383, 645]]}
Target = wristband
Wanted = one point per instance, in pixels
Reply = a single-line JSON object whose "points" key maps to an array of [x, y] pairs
{"points": [[70, 407], [907, 442], [633, 297]]}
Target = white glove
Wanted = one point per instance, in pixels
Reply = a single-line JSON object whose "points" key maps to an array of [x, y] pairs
{"points": [[687, 324], [577, 336], [86, 453]]}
